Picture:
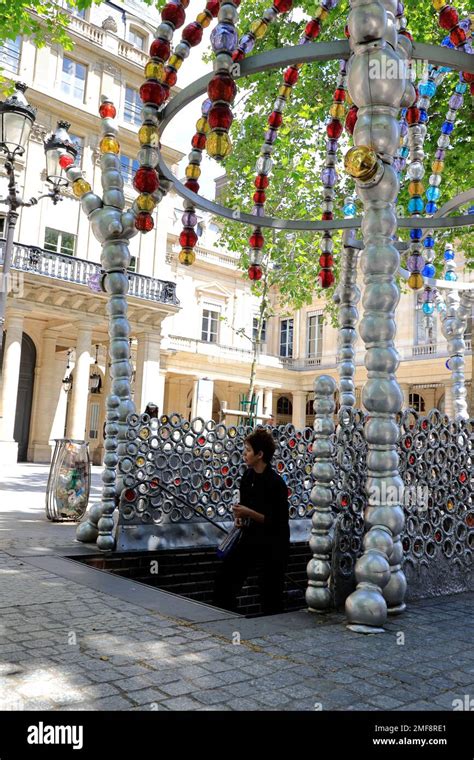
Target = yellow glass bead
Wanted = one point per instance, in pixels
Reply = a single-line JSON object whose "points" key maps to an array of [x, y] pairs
{"points": [[144, 433], [361, 163], [154, 70], [415, 281], [218, 145], [439, 4], [450, 505], [149, 135], [140, 461], [187, 257], [337, 111], [437, 167], [259, 28], [416, 188], [193, 171], [109, 145], [175, 61], [321, 13], [80, 187], [349, 100], [146, 202], [202, 125], [203, 19], [285, 91]]}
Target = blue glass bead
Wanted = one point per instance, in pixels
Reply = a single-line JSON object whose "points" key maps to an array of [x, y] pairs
{"points": [[423, 118], [470, 210], [349, 209], [404, 112], [405, 151], [415, 205], [427, 89], [445, 69], [461, 87], [431, 207], [428, 270], [224, 38], [429, 242], [433, 193], [428, 308], [441, 307], [328, 177], [416, 234], [447, 365], [448, 255], [447, 42], [247, 43], [451, 276], [447, 128]]}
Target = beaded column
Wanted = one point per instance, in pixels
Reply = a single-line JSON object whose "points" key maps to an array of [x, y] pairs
{"points": [[377, 52], [113, 227], [318, 594], [347, 297]]}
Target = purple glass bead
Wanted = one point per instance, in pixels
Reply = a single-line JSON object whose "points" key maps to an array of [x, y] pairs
{"points": [[403, 129], [467, 47], [428, 295], [331, 146], [440, 154], [271, 136], [328, 177], [304, 40], [396, 165], [456, 101], [258, 210], [329, 4], [206, 107], [247, 43], [465, 24], [94, 282], [189, 219], [403, 163], [400, 9], [415, 263], [343, 66], [224, 38]]}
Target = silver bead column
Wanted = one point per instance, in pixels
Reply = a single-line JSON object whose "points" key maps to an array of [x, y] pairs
{"points": [[347, 297], [318, 593], [379, 95], [453, 326]]}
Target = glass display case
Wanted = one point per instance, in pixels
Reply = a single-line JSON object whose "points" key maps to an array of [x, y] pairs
{"points": [[68, 489]]}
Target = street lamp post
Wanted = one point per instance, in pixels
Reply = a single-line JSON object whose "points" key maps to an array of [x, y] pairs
{"points": [[16, 119]]}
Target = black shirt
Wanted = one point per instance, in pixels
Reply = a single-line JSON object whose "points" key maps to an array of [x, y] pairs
{"points": [[266, 493]]}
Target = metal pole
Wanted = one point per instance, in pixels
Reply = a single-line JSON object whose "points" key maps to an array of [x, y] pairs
{"points": [[12, 217]]}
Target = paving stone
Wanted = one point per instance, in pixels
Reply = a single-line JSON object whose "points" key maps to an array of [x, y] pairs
{"points": [[181, 703], [178, 688], [384, 702], [150, 697]]}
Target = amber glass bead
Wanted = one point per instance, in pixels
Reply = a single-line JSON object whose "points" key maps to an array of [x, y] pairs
{"points": [[175, 61], [109, 145], [439, 4], [193, 171], [284, 91], [438, 167], [203, 19], [337, 111], [218, 145], [187, 257], [321, 13], [149, 135], [145, 202], [154, 70], [415, 281], [361, 163], [80, 187], [202, 125], [259, 28], [416, 188]]}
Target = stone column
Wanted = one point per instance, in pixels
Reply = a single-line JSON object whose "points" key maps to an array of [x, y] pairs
{"points": [[448, 400], [299, 409], [259, 397], [204, 398], [47, 398], [10, 380], [147, 379], [268, 402], [194, 401], [77, 419]]}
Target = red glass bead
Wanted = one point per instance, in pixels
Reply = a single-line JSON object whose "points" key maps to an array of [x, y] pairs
{"points": [[255, 272], [326, 278], [129, 494], [340, 95], [222, 87], [65, 161], [462, 477], [144, 221], [334, 129], [160, 49], [312, 28], [202, 441], [153, 92], [468, 77], [192, 33], [220, 117], [471, 88], [448, 18], [107, 111], [344, 501], [457, 36], [328, 216], [413, 115], [351, 119], [408, 443], [238, 55], [170, 76], [174, 14], [146, 180], [282, 6], [261, 181], [192, 184], [347, 32], [438, 536], [213, 7], [291, 75], [259, 197], [188, 238], [256, 240], [406, 33], [275, 119], [199, 141], [326, 261]]}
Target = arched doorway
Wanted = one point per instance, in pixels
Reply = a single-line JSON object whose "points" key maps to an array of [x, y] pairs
{"points": [[24, 401]]}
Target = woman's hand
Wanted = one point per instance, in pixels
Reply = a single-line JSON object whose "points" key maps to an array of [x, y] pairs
{"points": [[240, 511]]}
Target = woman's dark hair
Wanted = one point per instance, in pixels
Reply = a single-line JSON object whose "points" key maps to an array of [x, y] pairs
{"points": [[262, 440]]}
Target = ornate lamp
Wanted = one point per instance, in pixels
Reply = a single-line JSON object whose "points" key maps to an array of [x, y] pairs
{"points": [[16, 119], [67, 380], [60, 153]]}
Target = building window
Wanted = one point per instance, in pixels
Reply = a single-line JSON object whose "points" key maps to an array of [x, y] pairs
{"points": [[10, 55], [310, 408], [416, 402], [136, 39], [59, 242], [79, 145], [132, 267], [3, 226], [284, 406], [315, 335], [425, 326], [263, 335], [94, 421], [210, 322], [75, 11], [73, 79], [133, 106], [129, 167], [286, 337]]}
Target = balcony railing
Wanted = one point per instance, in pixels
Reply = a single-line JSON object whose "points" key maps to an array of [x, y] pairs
{"points": [[437, 349], [59, 266]]}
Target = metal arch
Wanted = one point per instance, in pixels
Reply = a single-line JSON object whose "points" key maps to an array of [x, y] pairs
{"points": [[316, 51]]}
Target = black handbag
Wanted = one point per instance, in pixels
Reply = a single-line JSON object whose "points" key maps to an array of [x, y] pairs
{"points": [[229, 542]]}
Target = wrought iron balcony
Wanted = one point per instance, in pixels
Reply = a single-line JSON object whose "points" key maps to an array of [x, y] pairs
{"points": [[59, 266]]}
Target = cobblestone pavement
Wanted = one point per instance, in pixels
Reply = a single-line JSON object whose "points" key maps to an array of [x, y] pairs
{"points": [[64, 646]]}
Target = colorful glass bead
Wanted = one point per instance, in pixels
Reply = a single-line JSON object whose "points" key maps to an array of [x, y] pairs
{"points": [[448, 18], [457, 36], [153, 92], [202, 125], [145, 202], [218, 145], [451, 276], [222, 87], [199, 141], [186, 257], [351, 119], [428, 270], [259, 29], [160, 49], [282, 6], [256, 240], [291, 75], [413, 115], [415, 205], [224, 38], [144, 222], [428, 308], [154, 70], [255, 272], [261, 182], [326, 278], [433, 193], [275, 119], [193, 33], [326, 261], [415, 281], [174, 14], [448, 255], [170, 77], [313, 29], [431, 208], [80, 187], [415, 263], [189, 219], [220, 117], [149, 135], [193, 171], [192, 184], [146, 180], [188, 238], [334, 129], [65, 160], [107, 111]]}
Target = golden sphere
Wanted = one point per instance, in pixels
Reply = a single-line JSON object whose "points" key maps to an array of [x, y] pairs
{"points": [[146, 202], [437, 167], [203, 19], [337, 111], [415, 281], [361, 163], [149, 135], [416, 188], [202, 125], [439, 4], [186, 257], [193, 171], [175, 61], [109, 145], [285, 91], [80, 187], [154, 70], [218, 145], [259, 28]]}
